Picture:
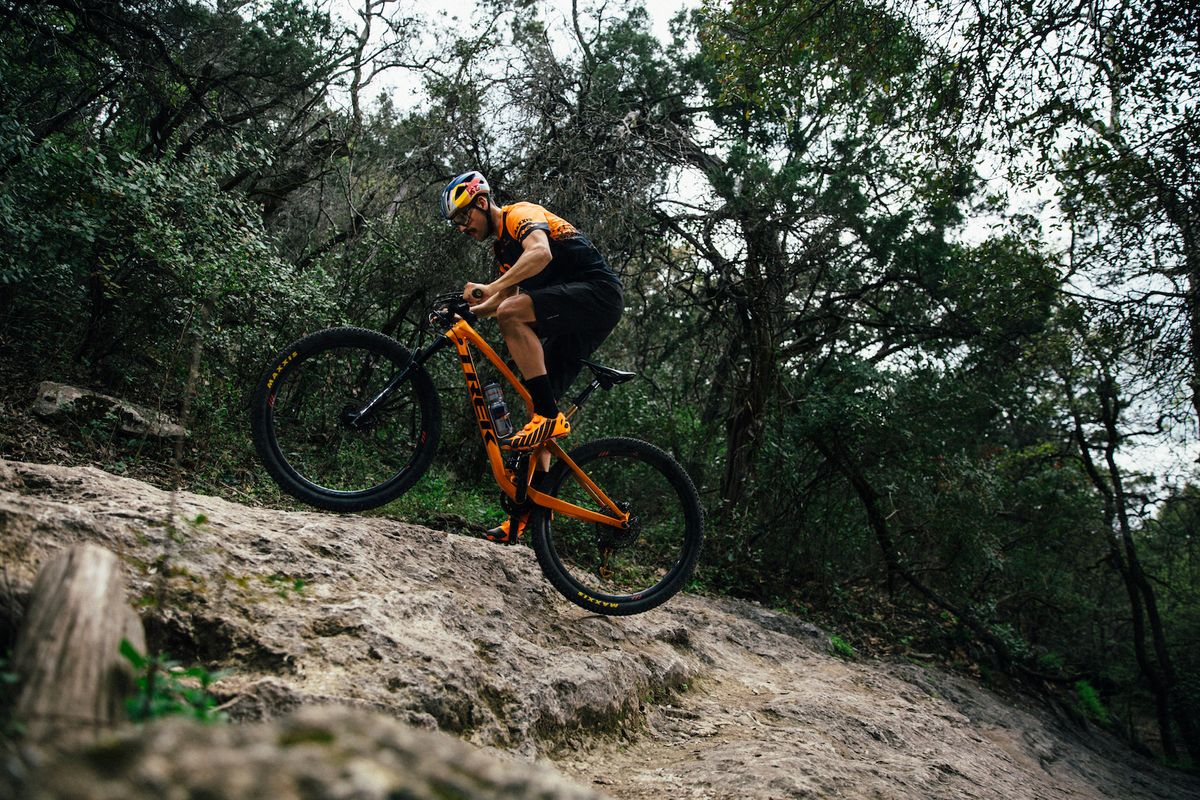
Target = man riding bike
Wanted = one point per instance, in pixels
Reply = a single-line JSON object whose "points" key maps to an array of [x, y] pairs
{"points": [[555, 298]]}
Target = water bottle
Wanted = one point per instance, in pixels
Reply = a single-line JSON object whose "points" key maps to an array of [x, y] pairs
{"points": [[498, 410]]}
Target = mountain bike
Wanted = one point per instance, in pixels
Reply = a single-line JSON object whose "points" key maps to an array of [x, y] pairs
{"points": [[348, 419]]}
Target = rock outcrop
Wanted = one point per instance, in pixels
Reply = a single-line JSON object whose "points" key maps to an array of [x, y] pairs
{"points": [[701, 698], [58, 400]]}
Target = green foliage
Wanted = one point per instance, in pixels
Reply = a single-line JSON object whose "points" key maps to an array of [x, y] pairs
{"points": [[443, 499], [1172, 546], [1089, 703], [134, 241], [1050, 662], [778, 57], [285, 586], [841, 648], [165, 689]]}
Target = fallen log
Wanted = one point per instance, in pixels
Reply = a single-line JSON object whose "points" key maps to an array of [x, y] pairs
{"points": [[73, 678]]}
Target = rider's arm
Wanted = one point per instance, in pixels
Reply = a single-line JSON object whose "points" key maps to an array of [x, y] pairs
{"points": [[534, 258]]}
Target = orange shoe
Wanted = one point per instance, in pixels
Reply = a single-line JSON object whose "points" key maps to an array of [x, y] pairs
{"points": [[539, 431], [501, 534]]}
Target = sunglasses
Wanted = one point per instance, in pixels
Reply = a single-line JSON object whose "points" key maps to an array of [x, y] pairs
{"points": [[460, 217]]}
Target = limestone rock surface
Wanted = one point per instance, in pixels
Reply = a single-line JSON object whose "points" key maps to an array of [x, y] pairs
{"points": [[315, 754], [701, 698]]}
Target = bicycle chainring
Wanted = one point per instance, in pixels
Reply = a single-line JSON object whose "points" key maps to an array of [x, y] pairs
{"points": [[510, 506]]}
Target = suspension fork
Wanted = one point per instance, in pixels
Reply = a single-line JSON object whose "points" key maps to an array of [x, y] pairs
{"points": [[357, 419]]}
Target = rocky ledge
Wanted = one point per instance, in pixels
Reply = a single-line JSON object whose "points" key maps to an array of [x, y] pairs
{"points": [[701, 698]]}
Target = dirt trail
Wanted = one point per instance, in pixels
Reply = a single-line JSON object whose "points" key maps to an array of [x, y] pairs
{"points": [[773, 720]]}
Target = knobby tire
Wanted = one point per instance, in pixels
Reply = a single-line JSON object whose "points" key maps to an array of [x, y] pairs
{"points": [[646, 565], [299, 411]]}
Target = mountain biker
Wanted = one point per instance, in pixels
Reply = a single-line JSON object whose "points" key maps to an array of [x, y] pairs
{"points": [[555, 298]]}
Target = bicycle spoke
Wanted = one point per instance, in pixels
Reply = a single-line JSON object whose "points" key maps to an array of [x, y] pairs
{"points": [[607, 560], [311, 421]]}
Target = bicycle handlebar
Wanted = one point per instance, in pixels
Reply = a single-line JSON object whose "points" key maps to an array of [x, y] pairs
{"points": [[447, 306]]}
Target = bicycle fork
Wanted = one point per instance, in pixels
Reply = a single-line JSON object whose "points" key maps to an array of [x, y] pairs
{"points": [[361, 417]]}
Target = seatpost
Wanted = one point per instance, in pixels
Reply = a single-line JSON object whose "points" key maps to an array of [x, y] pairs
{"points": [[583, 396]]}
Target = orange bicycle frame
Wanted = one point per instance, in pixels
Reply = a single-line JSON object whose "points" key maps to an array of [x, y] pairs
{"points": [[463, 336]]}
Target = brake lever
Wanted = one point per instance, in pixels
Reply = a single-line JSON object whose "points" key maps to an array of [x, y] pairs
{"points": [[447, 307]]}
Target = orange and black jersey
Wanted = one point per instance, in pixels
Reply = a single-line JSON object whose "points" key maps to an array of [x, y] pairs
{"points": [[573, 256]]}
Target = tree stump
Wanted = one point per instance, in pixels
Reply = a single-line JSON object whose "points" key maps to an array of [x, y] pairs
{"points": [[74, 679]]}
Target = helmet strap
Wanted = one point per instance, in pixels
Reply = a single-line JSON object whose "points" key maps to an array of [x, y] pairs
{"points": [[491, 225]]}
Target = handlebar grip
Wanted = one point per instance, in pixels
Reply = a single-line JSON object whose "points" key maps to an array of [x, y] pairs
{"points": [[477, 294]]}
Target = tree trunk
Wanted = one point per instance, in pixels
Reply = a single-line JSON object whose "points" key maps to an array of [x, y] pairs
{"points": [[837, 457], [1158, 670], [742, 442], [759, 303], [73, 677]]}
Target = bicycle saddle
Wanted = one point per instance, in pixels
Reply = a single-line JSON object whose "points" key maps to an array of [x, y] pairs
{"points": [[607, 376]]}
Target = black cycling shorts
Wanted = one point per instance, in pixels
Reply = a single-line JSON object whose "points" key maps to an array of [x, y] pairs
{"points": [[572, 320]]}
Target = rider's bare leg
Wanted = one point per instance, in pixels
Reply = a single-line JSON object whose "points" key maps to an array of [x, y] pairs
{"points": [[515, 316]]}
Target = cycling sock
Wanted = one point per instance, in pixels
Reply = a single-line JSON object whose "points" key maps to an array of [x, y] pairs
{"points": [[543, 395]]}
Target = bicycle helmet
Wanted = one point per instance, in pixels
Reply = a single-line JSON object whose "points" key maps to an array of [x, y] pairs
{"points": [[462, 191]]}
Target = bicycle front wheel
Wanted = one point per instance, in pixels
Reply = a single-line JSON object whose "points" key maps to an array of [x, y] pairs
{"points": [[610, 570], [305, 425]]}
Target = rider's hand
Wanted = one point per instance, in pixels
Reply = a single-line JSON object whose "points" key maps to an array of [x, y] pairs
{"points": [[488, 307], [476, 293]]}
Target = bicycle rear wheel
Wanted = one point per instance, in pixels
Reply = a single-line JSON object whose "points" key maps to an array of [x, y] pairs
{"points": [[302, 420], [614, 571]]}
